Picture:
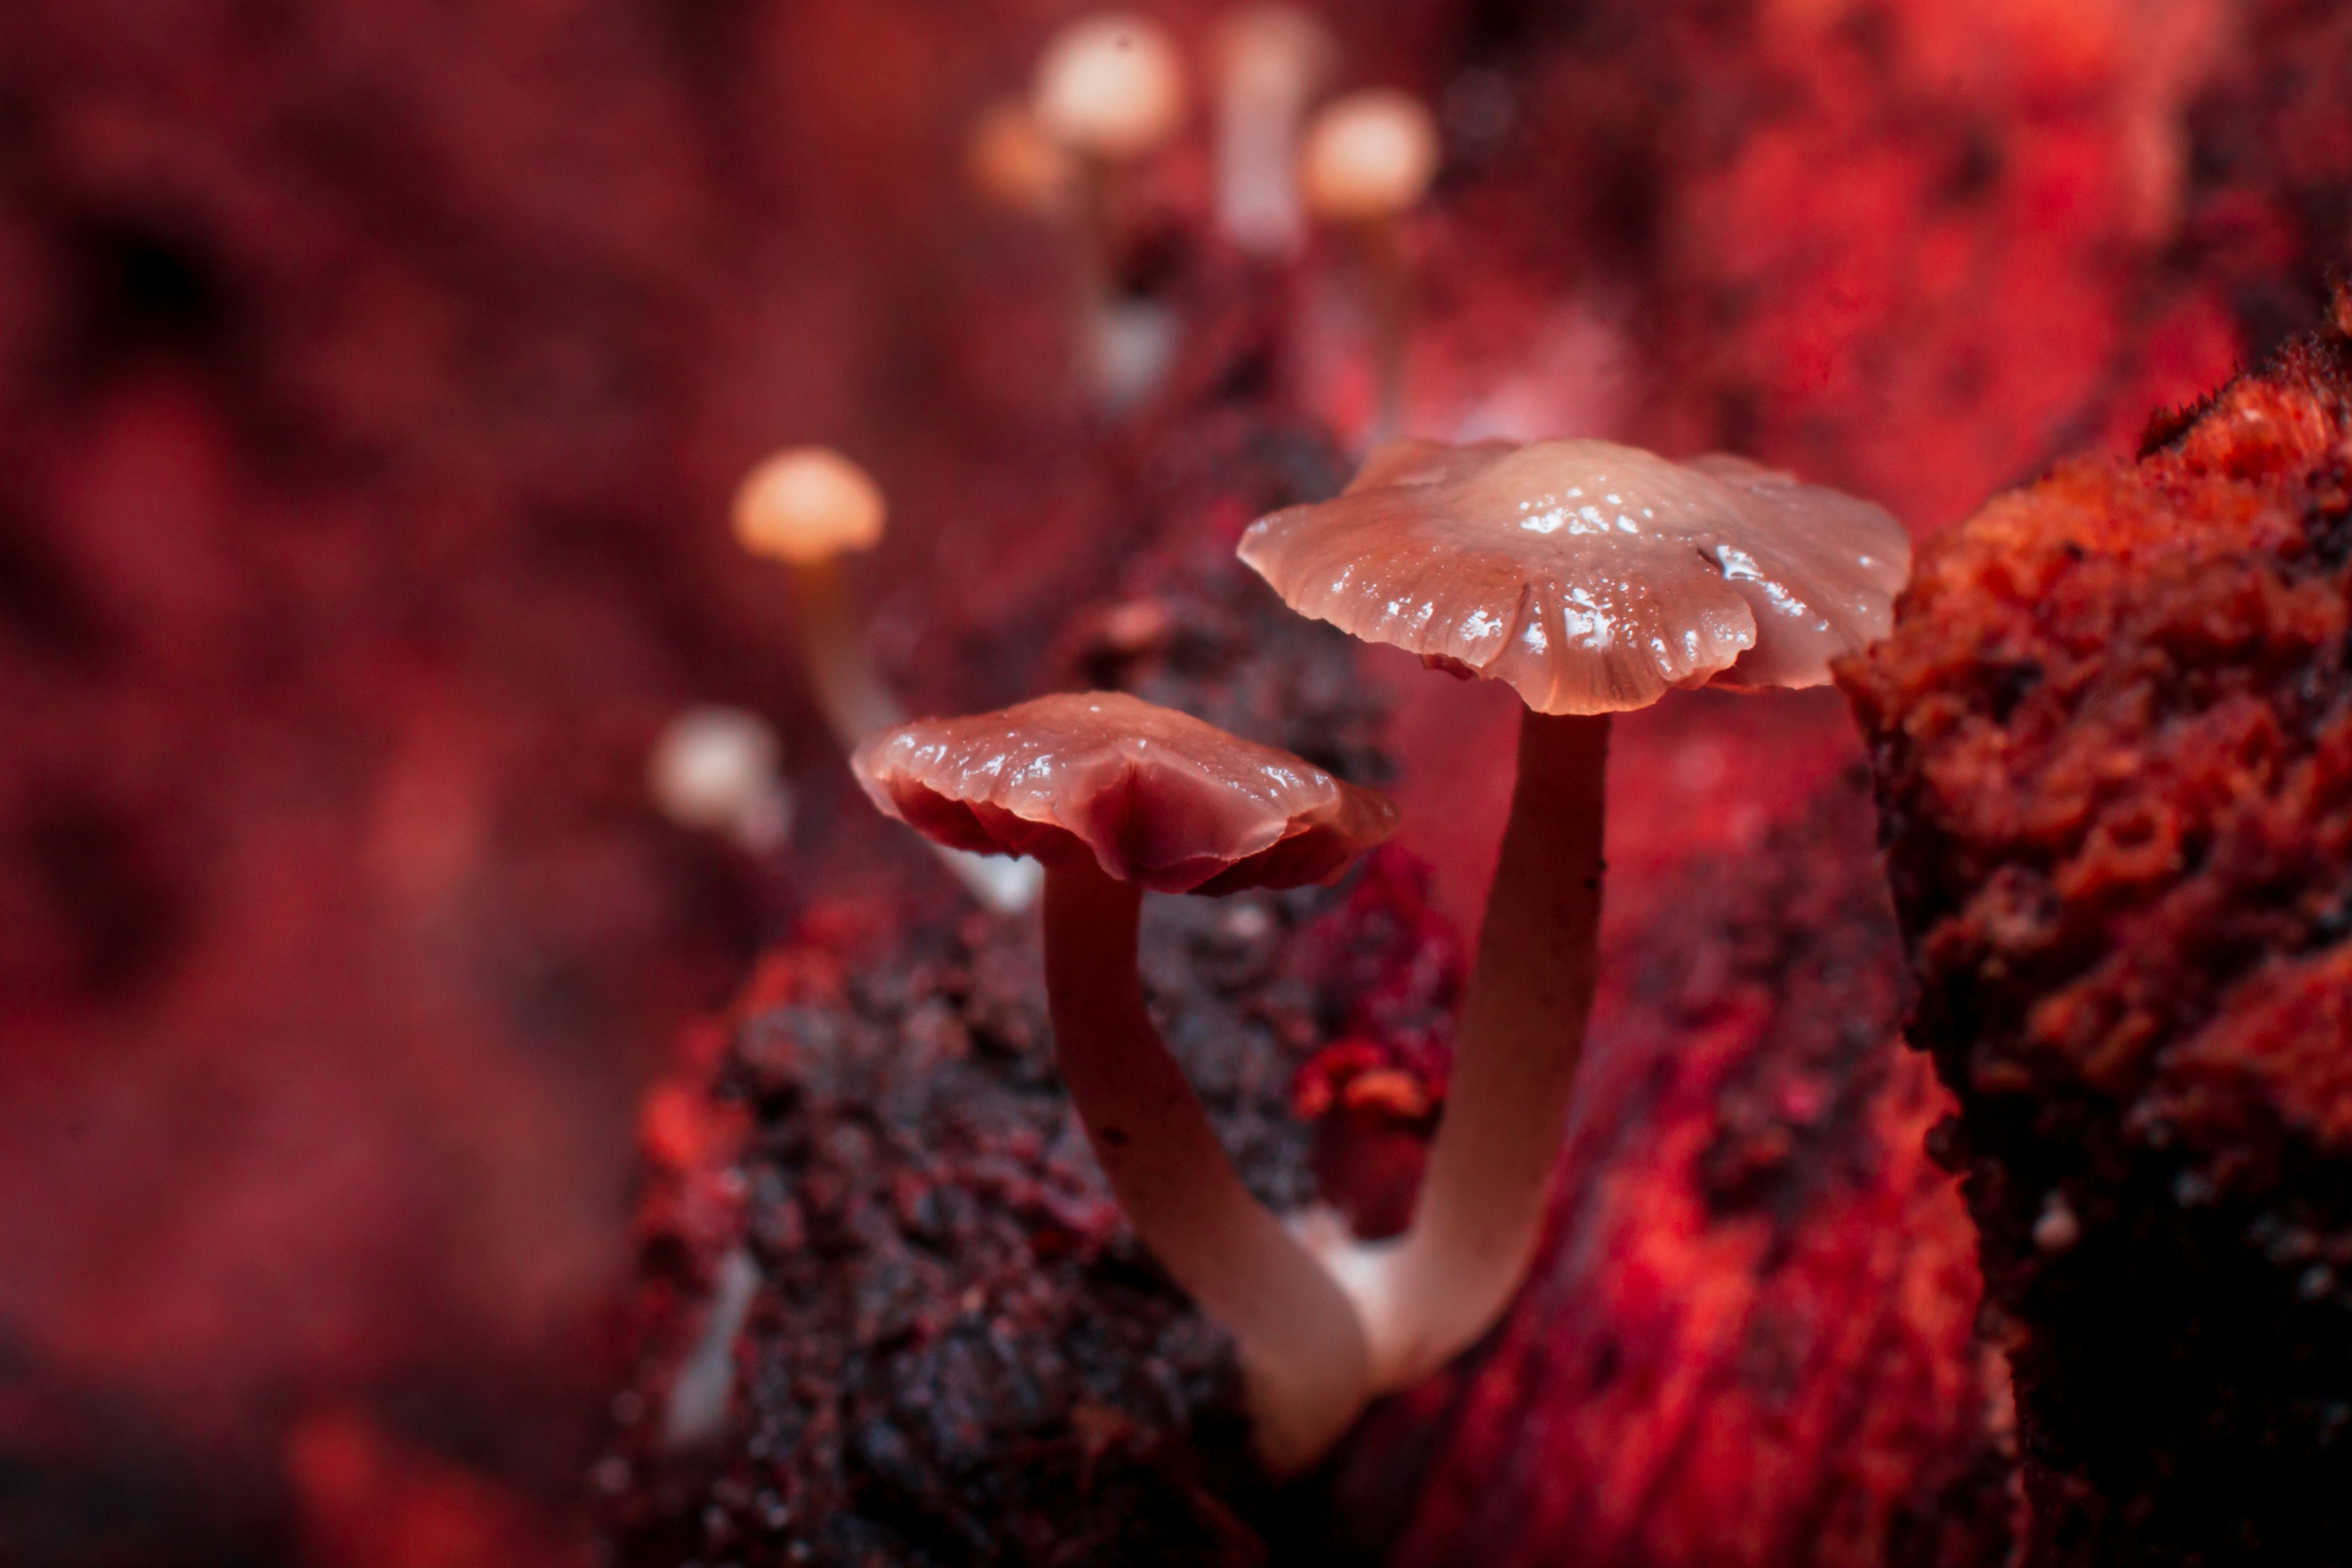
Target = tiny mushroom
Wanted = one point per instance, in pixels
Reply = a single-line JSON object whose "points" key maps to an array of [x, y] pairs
{"points": [[806, 506], [1115, 795], [1269, 61], [716, 769], [1016, 166], [1368, 158], [1111, 87], [1591, 579], [1108, 89]]}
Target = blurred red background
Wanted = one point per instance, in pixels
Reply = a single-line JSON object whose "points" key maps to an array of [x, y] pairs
{"points": [[372, 376]]}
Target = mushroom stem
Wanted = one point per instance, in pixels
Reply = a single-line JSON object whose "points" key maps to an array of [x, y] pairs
{"points": [[1482, 1201], [1388, 289], [1099, 206], [1124, 340], [858, 703], [1300, 1342], [848, 687], [1257, 205]]}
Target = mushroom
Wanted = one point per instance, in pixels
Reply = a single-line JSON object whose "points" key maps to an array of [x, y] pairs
{"points": [[1591, 579], [807, 507], [1108, 89], [1269, 60], [1015, 165], [715, 769], [1369, 158], [1115, 795]]}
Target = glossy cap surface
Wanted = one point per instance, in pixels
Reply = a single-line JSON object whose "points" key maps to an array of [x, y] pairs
{"points": [[1157, 797], [1592, 577]]}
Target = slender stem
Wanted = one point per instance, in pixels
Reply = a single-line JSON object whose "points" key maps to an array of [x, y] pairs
{"points": [[842, 673], [1300, 1342], [858, 703], [1097, 273], [1482, 1201], [1258, 183], [1388, 286]]}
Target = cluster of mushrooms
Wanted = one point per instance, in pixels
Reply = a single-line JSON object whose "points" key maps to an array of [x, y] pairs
{"points": [[1111, 89], [1591, 579]]}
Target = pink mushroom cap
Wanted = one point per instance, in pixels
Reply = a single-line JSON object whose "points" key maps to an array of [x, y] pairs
{"points": [[1593, 578], [1156, 796]]}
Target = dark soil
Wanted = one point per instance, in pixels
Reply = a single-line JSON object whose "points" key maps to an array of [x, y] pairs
{"points": [[956, 1354]]}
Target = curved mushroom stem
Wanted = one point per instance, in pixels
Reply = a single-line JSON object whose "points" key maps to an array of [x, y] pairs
{"points": [[1301, 1344], [1481, 1210], [858, 703]]}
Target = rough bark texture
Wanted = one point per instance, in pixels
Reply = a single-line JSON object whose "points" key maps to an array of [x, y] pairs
{"points": [[1749, 1337], [2112, 735]]}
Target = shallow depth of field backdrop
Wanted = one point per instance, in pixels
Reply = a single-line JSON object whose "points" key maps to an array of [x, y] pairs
{"points": [[374, 374]]}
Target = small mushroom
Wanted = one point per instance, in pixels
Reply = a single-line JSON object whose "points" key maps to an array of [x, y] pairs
{"points": [[1115, 796], [1269, 61], [1368, 159], [1109, 88], [1014, 165], [716, 769], [807, 507], [1591, 579]]}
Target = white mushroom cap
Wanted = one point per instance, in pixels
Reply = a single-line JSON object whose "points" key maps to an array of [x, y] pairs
{"points": [[1371, 154], [1110, 86], [714, 769], [806, 505]]}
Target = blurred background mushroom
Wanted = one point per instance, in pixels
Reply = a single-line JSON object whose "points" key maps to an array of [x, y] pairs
{"points": [[1367, 161], [1270, 61], [373, 374], [807, 507], [1110, 89], [720, 769]]}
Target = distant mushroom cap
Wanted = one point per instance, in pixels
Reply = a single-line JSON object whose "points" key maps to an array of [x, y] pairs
{"points": [[1157, 798], [808, 504], [1592, 577], [1017, 165], [1370, 154], [1112, 86], [712, 766]]}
